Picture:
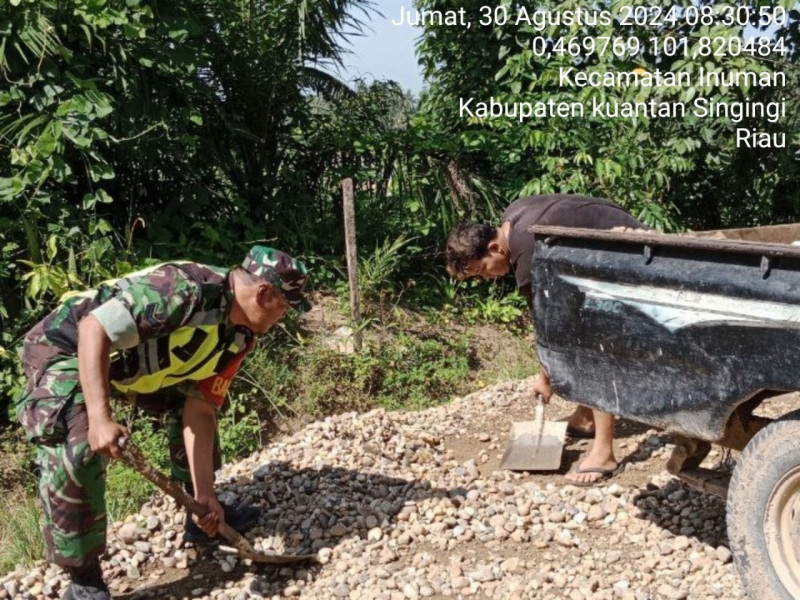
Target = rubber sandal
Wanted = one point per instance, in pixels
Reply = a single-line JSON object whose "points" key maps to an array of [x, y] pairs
{"points": [[605, 475]]}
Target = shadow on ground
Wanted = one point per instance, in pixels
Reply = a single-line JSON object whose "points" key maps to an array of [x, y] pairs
{"points": [[307, 510], [683, 510]]}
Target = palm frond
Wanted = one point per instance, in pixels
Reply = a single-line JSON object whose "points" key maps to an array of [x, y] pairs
{"points": [[324, 84], [33, 37]]}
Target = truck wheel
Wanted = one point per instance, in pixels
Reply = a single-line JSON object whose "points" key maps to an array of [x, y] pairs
{"points": [[764, 511]]}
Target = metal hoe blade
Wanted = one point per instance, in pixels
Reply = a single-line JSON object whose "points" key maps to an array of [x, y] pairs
{"points": [[133, 458], [535, 445]]}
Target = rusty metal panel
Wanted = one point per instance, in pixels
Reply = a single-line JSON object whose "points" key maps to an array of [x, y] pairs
{"points": [[655, 239], [670, 334], [770, 234]]}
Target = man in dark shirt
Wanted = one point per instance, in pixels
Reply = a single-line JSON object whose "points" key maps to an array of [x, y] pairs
{"points": [[488, 251]]}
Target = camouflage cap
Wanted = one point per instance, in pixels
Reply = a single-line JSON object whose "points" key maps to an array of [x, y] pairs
{"points": [[281, 270]]}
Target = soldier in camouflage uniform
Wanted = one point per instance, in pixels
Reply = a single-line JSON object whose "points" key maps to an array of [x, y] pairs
{"points": [[169, 339]]}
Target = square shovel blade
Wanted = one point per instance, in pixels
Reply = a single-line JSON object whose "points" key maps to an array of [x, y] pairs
{"points": [[535, 446]]}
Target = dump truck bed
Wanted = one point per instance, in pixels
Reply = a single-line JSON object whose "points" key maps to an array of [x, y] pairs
{"points": [[671, 330]]}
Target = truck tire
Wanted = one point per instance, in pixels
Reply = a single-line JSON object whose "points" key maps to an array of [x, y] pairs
{"points": [[764, 512]]}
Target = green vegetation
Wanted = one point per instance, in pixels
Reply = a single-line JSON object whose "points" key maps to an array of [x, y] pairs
{"points": [[120, 119], [126, 490], [672, 173], [396, 371], [21, 540]]}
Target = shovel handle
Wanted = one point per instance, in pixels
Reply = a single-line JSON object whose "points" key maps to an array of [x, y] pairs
{"points": [[539, 408], [132, 456], [134, 459]]}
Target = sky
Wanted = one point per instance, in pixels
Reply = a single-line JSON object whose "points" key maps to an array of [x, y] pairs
{"points": [[385, 51]]}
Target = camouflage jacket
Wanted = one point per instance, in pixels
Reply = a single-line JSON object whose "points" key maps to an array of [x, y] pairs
{"points": [[167, 325]]}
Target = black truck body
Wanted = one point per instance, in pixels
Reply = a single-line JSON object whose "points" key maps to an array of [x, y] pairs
{"points": [[669, 330], [693, 335]]}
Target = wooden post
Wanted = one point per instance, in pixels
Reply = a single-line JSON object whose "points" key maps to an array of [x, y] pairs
{"points": [[352, 258]]}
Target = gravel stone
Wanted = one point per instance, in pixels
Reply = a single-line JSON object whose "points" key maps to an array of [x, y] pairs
{"points": [[128, 533], [410, 505], [723, 555]]}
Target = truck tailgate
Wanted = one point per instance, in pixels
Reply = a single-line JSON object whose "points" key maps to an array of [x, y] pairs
{"points": [[664, 329]]}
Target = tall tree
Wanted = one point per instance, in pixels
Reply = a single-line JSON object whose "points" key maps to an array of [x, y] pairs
{"points": [[660, 168]]}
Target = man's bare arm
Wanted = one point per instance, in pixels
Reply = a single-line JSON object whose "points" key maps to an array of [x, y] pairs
{"points": [[93, 350], [199, 425]]}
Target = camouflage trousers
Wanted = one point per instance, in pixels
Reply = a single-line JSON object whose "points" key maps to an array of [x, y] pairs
{"points": [[72, 482]]}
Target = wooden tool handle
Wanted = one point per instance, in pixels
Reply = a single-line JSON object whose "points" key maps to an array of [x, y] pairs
{"points": [[133, 458]]}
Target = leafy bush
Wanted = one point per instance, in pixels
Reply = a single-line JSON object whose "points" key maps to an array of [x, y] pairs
{"points": [[12, 383], [377, 271], [669, 172], [509, 309], [239, 429], [473, 301]]}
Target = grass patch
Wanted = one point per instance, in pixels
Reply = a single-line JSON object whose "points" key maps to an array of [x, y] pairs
{"points": [[239, 428], [21, 541], [394, 370], [126, 491]]}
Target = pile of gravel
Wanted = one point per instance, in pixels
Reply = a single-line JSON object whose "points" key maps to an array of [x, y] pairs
{"points": [[401, 506]]}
